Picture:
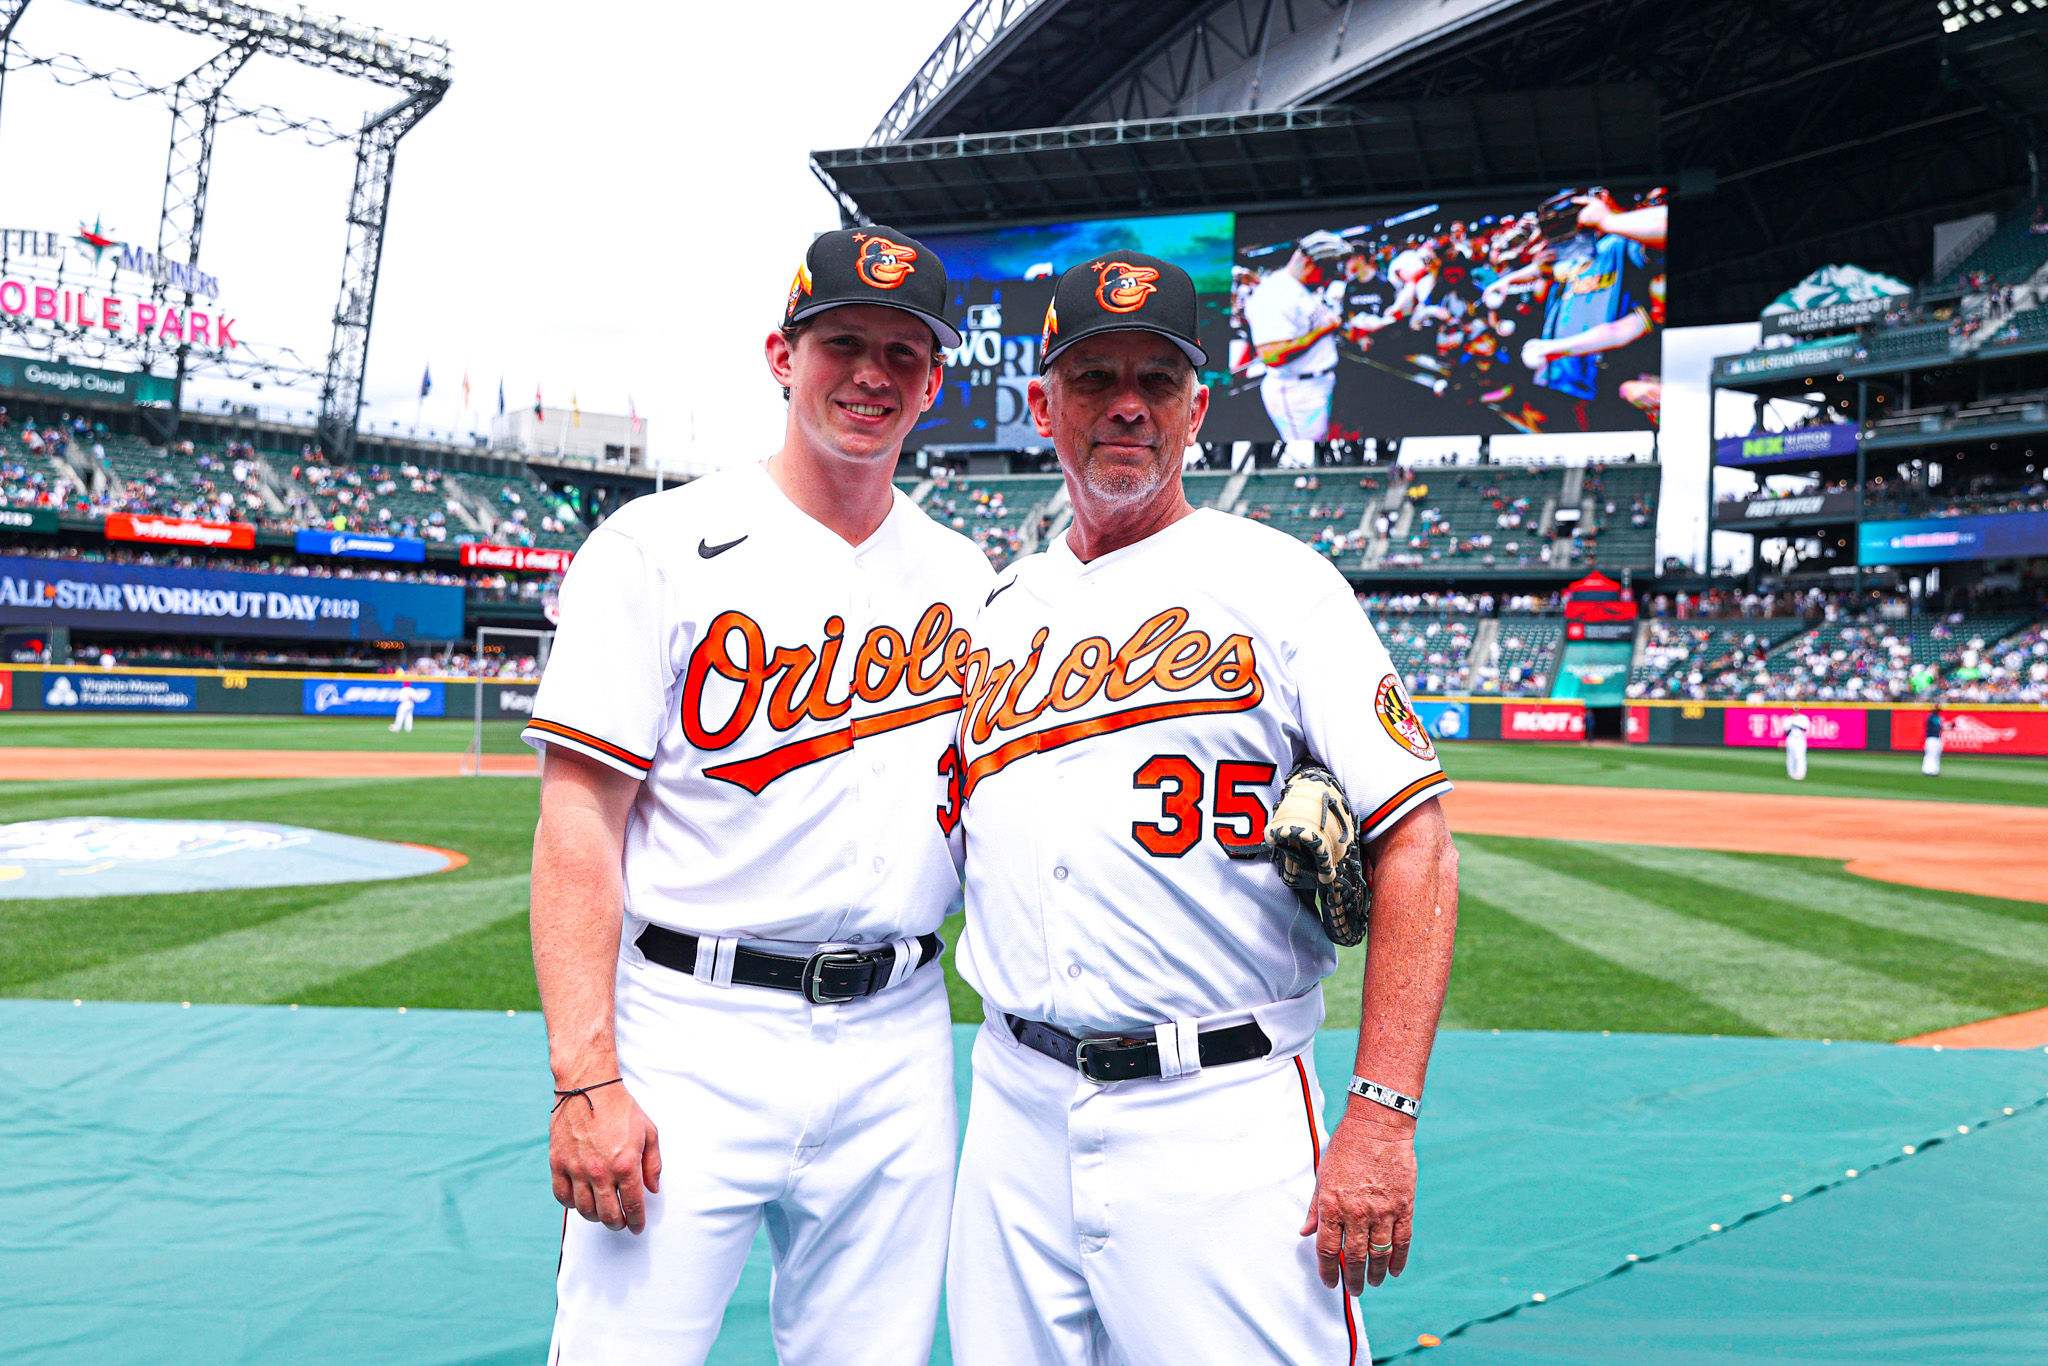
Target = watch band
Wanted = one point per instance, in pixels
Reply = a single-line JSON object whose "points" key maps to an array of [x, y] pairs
{"points": [[1385, 1095]]}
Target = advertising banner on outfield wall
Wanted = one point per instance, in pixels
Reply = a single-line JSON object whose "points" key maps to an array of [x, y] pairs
{"points": [[118, 692], [1445, 720], [121, 526], [1826, 727], [1975, 732], [515, 557], [208, 602], [370, 697], [41, 521], [1542, 721], [347, 543], [6, 691]]}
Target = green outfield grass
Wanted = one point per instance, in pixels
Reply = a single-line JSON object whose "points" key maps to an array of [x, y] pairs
{"points": [[1553, 934], [1830, 773], [449, 735]]}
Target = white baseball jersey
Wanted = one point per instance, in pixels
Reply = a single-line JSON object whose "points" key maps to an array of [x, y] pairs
{"points": [[784, 695], [1136, 720], [1283, 308]]}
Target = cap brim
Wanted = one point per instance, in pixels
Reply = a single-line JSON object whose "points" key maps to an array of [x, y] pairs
{"points": [[948, 335], [1195, 354]]}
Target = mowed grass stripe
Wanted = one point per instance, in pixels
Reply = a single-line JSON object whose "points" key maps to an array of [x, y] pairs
{"points": [[271, 961], [1778, 989], [1998, 984], [2016, 930], [182, 798]]}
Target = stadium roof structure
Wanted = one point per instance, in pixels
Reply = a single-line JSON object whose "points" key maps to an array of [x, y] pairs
{"points": [[1795, 132]]}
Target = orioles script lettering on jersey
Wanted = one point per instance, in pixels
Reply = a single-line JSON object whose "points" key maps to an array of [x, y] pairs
{"points": [[885, 665], [1162, 654]]}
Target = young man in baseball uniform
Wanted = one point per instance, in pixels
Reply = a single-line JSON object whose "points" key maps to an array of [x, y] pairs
{"points": [[1145, 1177], [1930, 749], [738, 873], [1293, 331]]}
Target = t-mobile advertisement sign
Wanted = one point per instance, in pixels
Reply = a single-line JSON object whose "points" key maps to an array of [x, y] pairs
{"points": [[1826, 727], [1542, 721]]}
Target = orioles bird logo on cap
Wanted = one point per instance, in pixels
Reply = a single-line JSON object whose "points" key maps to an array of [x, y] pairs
{"points": [[800, 286], [1052, 328], [883, 263], [1123, 287]]}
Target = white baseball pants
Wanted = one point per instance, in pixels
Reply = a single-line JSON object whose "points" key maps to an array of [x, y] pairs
{"points": [[1795, 758], [835, 1124], [1930, 757], [1300, 408], [1144, 1223]]}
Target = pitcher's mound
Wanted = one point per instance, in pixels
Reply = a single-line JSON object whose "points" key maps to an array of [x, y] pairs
{"points": [[114, 856]]}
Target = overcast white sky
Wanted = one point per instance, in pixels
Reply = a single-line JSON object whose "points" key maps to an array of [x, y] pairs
{"points": [[609, 204]]}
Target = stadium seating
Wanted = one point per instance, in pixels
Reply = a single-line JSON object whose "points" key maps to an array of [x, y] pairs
{"points": [[1524, 654], [178, 481], [2015, 251], [1621, 495], [1433, 654], [2014, 669], [1883, 660], [1459, 514], [1908, 343], [528, 512], [991, 510], [1686, 658], [1321, 507]]}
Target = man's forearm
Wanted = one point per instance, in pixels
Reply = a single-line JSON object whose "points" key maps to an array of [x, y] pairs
{"points": [[1603, 336], [576, 909], [1408, 964]]}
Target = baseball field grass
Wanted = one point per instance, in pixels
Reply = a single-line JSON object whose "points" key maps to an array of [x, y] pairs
{"points": [[1554, 934], [430, 735]]}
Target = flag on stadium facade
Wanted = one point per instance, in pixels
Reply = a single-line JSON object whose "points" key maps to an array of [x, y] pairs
{"points": [[465, 389], [633, 414], [540, 414], [426, 380], [501, 396], [575, 410]]}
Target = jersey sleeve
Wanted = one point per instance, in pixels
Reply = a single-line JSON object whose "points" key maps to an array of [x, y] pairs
{"points": [[605, 691], [1357, 719], [1267, 316]]}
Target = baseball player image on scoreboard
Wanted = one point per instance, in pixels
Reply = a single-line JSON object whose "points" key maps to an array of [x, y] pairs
{"points": [[738, 872], [1145, 1177], [1294, 327]]}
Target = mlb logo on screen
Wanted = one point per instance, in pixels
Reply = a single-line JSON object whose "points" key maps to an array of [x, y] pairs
{"points": [[61, 693]]}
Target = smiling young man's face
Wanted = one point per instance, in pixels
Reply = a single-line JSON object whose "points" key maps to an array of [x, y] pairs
{"points": [[858, 377]]}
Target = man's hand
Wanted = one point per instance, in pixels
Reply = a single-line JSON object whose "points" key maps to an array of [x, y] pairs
{"points": [[605, 1155], [1365, 1199], [1536, 353]]}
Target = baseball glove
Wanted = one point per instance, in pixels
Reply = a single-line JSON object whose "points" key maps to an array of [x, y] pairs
{"points": [[1315, 844]]}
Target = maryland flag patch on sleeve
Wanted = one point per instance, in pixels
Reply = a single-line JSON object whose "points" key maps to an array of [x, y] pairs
{"points": [[1397, 714]]}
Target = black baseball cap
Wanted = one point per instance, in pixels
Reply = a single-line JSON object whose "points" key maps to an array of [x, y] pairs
{"points": [[872, 265], [1121, 291]]}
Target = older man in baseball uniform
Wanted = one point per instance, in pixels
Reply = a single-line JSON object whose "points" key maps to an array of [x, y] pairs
{"points": [[1795, 747], [1146, 1178], [1294, 329], [738, 873]]}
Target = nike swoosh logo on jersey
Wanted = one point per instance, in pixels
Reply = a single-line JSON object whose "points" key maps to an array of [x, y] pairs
{"points": [[1000, 590], [712, 552]]}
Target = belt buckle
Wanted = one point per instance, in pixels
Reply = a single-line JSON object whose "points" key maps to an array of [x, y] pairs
{"points": [[815, 965], [1082, 1048]]}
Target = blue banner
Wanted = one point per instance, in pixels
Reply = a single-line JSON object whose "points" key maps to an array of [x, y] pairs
{"points": [[1445, 720], [211, 602], [118, 692], [370, 697], [1934, 540], [360, 547], [1773, 448]]}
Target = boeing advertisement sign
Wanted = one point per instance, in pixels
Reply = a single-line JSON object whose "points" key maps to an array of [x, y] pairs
{"points": [[359, 547]]}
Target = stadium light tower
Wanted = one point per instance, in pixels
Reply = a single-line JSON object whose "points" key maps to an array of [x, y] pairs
{"points": [[417, 67]]}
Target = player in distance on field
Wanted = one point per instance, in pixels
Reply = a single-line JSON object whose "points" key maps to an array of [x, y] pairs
{"points": [[1145, 1176], [738, 876]]}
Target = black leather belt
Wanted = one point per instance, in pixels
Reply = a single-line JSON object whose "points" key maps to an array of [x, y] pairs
{"points": [[1123, 1059], [825, 978]]}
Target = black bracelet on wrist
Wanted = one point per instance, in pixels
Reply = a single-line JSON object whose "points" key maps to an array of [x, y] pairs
{"points": [[562, 1097]]}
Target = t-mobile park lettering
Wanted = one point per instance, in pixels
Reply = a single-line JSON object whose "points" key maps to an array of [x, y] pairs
{"points": [[111, 313]]}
